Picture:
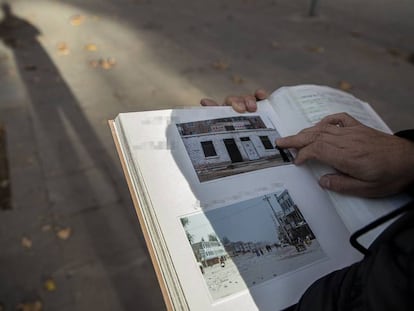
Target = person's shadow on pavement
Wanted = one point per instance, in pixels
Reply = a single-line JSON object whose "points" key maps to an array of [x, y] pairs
{"points": [[61, 129]]}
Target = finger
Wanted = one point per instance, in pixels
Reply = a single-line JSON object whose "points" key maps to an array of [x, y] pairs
{"points": [[250, 102], [324, 152], [341, 119], [237, 102], [261, 94], [304, 138], [324, 128], [348, 185], [208, 102]]}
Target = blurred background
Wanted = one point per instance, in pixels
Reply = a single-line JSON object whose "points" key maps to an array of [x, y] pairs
{"points": [[69, 237]]}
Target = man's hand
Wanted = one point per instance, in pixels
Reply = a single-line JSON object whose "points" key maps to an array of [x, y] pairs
{"points": [[239, 103], [370, 163]]}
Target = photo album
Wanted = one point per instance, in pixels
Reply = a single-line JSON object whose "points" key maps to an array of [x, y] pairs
{"points": [[229, 221]]}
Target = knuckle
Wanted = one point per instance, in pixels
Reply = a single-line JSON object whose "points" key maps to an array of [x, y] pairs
{"points": [[326, 127], [315, 136]]}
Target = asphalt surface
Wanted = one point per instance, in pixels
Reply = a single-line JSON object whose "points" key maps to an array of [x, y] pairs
{"points": [[70, 239]]}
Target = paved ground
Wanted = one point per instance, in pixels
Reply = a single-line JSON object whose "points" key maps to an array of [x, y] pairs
{"points": [[71, 239]]}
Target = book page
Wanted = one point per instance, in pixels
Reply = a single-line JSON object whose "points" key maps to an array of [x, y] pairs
{"points": [[243, 227], [305, 105], [302, 106]]}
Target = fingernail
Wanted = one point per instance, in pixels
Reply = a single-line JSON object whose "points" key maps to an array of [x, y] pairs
{"points": [[250, 104], [239, 107], [325, 182]]}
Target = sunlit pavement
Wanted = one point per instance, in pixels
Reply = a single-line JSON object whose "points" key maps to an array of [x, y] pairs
{"points": [[71, 240]]}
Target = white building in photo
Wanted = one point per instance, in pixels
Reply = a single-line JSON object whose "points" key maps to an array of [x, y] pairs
{"points": [[208, 253], [229, 142]]}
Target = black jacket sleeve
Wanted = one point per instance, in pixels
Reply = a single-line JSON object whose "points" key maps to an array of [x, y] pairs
{"points": [[382, 280]]}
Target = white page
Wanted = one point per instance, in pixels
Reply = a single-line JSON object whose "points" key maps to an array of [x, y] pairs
{"points": [[175, 191]]}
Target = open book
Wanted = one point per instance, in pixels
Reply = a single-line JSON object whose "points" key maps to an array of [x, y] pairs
{"points": [[230, 222]]}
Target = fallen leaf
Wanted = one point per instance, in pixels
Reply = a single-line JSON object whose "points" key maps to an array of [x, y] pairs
{"points": [[26, 242], [316, 49], [64, 233], [345, 86], [105, 63], [63, 48], [30, 306], [237, 79], [220, 65], [77, 20], [91, 47], [50, 285]]}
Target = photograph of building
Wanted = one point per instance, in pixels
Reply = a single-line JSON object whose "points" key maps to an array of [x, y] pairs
{"points": [[228, 146], [250, 242]]}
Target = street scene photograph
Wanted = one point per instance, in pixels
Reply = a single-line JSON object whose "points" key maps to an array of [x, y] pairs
{"points": [[247, 243], [228, 146]]}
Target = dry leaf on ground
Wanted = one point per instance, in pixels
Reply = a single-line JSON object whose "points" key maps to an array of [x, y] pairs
{"points": [[345, 86], [26, 242], [63, 48], [91, 47], [64, 233], [221, 65], [50, 285], [30, 306], [107, 63], [77, 20]]}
